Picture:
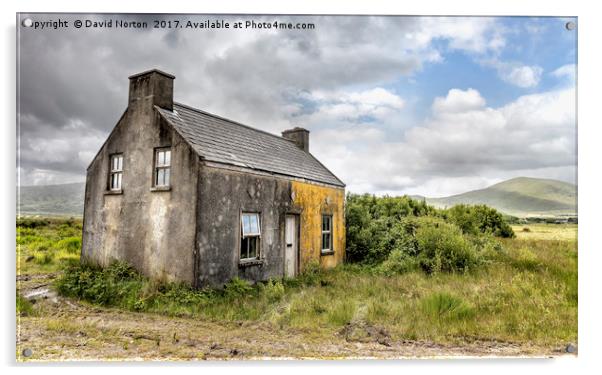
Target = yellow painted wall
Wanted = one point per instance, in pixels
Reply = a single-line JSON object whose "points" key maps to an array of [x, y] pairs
{"points": [[312, 201]]}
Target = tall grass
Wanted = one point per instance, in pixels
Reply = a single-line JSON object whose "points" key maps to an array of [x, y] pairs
{"points": [[506, 299], [523, 290], [44, 245]]}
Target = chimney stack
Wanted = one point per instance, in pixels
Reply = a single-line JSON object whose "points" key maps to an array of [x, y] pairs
{"points": [[153, 87], [299, 136]]}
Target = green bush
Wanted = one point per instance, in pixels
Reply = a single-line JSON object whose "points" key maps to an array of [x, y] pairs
{"points": [[443, 248], [375, 226], [107, 286], [478, 219], [385, 231], [311, 275], [237, 287], [397, 262], [32, 223], [273, 290]]}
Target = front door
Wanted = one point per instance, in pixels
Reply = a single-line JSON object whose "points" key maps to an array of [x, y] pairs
{"points": [[291, 246]]}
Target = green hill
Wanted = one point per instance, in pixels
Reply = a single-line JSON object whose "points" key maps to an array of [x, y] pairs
{"points": [[52, 200], [522, 196]]}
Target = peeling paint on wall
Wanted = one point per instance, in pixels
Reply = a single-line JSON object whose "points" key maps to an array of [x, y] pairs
{"points": [[313, 201]]}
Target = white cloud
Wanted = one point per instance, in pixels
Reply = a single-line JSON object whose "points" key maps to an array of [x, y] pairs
{"points": [[470, 34], [332, 80], [523, 76], [515, 73], [567, 70], [367, 105], [464, 145], [459, 101], [566, 74]]}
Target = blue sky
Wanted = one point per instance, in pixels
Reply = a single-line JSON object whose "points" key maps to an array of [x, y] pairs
{"points": [[395, 105]]}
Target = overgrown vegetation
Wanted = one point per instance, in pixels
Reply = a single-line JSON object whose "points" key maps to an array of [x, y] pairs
{"points": [[429, 280], [521, 296], [400, 234], [44, 244]]}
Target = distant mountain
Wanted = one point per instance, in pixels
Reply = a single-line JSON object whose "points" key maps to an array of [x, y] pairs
{"points": [[52, 200], [522, 196]]}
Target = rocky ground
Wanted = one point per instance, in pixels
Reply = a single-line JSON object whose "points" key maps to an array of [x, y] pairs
{"points": [[63, 329]]}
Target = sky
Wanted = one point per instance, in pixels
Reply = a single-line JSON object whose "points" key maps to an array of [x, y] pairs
{"points": [[432, 106]]}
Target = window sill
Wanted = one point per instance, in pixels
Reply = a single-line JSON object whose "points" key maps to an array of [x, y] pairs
{"points": [[326, 252], [114, 192], [250, 262], [160, 188]]}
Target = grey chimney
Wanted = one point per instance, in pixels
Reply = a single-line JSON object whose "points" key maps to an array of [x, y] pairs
{"points": [[152, 87], [299, 136]]}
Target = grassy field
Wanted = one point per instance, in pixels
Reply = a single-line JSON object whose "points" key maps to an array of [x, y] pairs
{"points": [[522, 302], [43, 245], [549, 232]]}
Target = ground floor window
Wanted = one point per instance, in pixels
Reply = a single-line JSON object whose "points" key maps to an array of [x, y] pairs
{"points": [[250, 236], [326, 233]]}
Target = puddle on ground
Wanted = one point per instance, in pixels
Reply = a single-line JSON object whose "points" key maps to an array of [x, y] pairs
{"points": [[41, 293]]}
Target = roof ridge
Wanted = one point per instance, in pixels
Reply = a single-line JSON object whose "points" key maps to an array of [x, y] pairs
{"points": [[233, 121]]}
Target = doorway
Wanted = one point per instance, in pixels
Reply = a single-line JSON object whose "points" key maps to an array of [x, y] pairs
{"points": [[291, 246]]}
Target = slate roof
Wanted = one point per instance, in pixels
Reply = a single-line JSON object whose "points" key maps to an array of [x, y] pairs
{"points": [[225, 141]]}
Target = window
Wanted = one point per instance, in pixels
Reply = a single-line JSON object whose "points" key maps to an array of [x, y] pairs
{"points": [[116, 172], [249, 246], [326, 233], [162, 167]]}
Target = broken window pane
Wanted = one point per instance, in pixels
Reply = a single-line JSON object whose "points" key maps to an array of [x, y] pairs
{"points": [[252, 247], [249, 246]]}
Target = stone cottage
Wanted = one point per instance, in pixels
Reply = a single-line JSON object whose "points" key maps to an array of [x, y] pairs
{"points": [[185, 195]]}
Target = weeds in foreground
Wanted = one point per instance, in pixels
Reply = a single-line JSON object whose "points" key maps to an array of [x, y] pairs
{"points": [[45, 245], [523, 290], [508, 298]]}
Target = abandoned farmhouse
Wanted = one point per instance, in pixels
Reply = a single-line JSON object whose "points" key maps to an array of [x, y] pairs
{"points": [[185, 195]]}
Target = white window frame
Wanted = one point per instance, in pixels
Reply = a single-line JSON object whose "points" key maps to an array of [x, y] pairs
{"points": [[163, 166], [329, 248], [115, 172], [251, 233]]}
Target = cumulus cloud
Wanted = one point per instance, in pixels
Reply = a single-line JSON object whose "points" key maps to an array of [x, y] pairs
{"points": [[369, 105], [459, 101], [523, 76], [72, 77], [463, 145], [471, 34], [334, 80]]}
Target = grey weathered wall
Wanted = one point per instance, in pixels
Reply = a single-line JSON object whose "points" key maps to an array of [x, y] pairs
{"points": [[152, 230], [224, 195]]}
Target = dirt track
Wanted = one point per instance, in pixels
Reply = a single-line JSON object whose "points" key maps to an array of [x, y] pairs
{"points": [[70, 330]]}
